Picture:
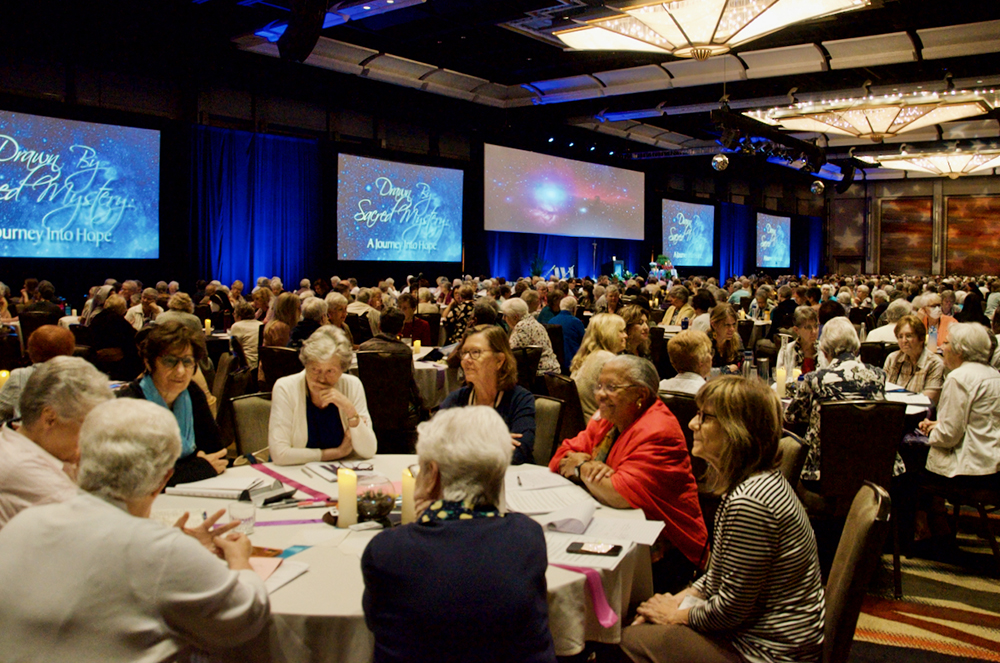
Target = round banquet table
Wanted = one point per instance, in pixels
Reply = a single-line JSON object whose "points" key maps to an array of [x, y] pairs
{"points": [[318, 616]]}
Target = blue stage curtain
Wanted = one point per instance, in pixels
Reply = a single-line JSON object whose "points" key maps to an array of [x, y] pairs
{"points": [[807, 245], [255, 204], [511, 254], [737, 244]]}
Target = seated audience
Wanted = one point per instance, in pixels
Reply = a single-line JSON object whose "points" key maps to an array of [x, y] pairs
{"points": [[46, 342], [691, 356], [287, 309], [845, 378], [170, 353], [637, 330], [38, 461], [805, 348], [635, 457], [321, 413], [456, 315], [605, 337], [45, 302], [366, 305], [414, 328], [491, 379], [762, 598], [492, 563], [387, 340], [678, 297], [145, 311], [427, 303], [573, 329], [313, 317], [914, 366], [893, 313], [526, 331], [246, 330], [727, 347], [180, 309], [113, 584]]}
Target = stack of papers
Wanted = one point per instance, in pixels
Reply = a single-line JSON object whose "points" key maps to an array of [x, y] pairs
{"points": [[277, 572], [546, 501], [557, 542], [223, 486], [579, 519]]}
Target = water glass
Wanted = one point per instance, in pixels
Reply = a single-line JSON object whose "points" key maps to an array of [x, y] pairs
{"points": [[246, 514]]}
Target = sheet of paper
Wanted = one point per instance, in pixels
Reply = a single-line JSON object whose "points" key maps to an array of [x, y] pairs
{"points": [[557, 542], [265, 566], [572, 519], [640, 531], [324, 470], [356, 543], [689, 602], [546, 501], [535, 480], [284, 574]]}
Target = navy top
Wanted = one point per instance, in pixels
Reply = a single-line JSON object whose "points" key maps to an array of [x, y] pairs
{"points": [[573, 331], [517, 408], [326, 430], [459, 591]]}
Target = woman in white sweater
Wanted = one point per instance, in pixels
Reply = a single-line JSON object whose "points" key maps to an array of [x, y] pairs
{"points": [[321, 413]]}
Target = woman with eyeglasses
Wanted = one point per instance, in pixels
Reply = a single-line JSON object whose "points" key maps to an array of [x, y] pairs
{"points": [[914, 366], [321, 413], [491, 379], [762, 598], [635, 457], [171, 352]]}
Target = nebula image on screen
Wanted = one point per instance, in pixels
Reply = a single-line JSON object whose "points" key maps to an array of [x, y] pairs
{"points": [[688, 233], [529, 192], [773, 240], [78, 189], [387, 210]]}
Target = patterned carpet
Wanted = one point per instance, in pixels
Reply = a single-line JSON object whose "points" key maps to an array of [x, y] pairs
{"points": [[950, 611]]}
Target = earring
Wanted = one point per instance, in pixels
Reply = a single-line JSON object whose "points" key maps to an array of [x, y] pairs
{"points": [[638, 403]]}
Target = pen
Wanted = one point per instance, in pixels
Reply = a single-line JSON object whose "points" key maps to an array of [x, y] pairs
{"points": [[307, 471], [519, 481]]}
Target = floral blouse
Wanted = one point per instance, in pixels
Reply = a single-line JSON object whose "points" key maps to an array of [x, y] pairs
{"points": [[457, 320], [845, 379], [531, 332]]}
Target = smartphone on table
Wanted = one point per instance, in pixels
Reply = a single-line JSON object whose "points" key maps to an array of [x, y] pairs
{"points": [[594, 548]]}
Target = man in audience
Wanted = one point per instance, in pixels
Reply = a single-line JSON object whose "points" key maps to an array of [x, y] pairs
{"points": [[691, 356], [743, 290], [880, 298], [46, 342], [573, 329], [38, 461], [887, 333], [129, 290], [145, 311]]}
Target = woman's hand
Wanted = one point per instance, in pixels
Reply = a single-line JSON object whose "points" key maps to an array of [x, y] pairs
{"points": [[567, 466], [345, 449], [514, 437], [661, 609], [594, 471], [236, 549], [217, 459], [322, 399], [926, 426], [205, 533]]}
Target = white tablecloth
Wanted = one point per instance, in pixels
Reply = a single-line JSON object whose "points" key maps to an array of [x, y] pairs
{"points": [[318, 616]]}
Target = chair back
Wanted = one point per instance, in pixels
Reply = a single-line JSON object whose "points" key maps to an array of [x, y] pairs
{"points": [[745, 303], [252, 416], [858, 442], [858, 315], [874, 353], [564, 388], [683, 407], [793, 457], [656, 316], [361, 330], [235, 384], [434, 322], [859, 551], [658, 353], [32, 320], [239, 354], [82, 334], [528, 358], [277, 363], [558, 345], [548, 420], [745, 330], [203, 312], [221, 374], [386, 377]]}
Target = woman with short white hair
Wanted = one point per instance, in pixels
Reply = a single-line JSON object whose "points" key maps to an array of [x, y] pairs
{"points": [[96, 570], [492, 563], [321, 413], [525, 330]]}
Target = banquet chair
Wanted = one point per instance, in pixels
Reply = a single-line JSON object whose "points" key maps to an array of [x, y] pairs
{"points": [[251, 416], [564, 388], [361, 331], [203, 312], [235, 383], [277, 363], [239, 354], [658, 353], [857, 555], [528, 358], [221, 373], [793, 457], [656, 316], [386, 377], [745, 330], [858, 315], [82, 334], [555, 333], [548, 419], [10, 349], [874, 353], [745, 303], [684, 409], [433, 321], [985, 502], [32, 320]]}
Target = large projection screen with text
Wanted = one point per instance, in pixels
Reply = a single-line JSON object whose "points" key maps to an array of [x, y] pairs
{"points": [[527, 192], [78, 189], [688, 233], [388, 210], [774, 241]]}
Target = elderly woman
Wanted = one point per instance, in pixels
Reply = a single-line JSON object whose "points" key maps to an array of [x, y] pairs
{"points": [[313, 317], [612, 301], [491, 379], [805, 349], [492, 563], [605, 337], [287, 309], [180, 309], [236, 293], [96, 304], [336, 313], [426, 302], [914, 367], [845, 378], [679, 307], [762, 598], [525, 331], [760, 307], [112, 583], [936, 322], [321, 413], [455, 317], [635, 457], [170, 353], [262, 302], [691, 356], [637, 330], [727, 347]]}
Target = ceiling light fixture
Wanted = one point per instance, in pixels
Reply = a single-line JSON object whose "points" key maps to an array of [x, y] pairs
{"points": [[878, 118], [695, 28], [953, 164]]}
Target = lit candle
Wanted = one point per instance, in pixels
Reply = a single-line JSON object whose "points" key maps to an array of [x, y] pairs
{"points": [[779, 378], [3, 377], [208, 326], [347, 498], [416, 346], [409, 506], [796, 372]]}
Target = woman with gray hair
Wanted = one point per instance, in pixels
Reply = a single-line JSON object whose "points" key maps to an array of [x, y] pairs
{"points": [[492, 563], [96, 570], [680, 307], [635, 457], [321, 413], [526, 330], [844, 378]]}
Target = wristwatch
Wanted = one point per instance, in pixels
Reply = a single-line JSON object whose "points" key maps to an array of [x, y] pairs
{"points": [[576, 470]]}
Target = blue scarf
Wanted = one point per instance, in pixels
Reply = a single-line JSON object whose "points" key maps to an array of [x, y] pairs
{"points": [[183, 412]]}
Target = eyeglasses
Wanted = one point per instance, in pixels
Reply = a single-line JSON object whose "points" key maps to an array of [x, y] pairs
{"points": [[171, 361], [474, 354], [357, 466], [702, 415], [907, 337], [611, 389]]}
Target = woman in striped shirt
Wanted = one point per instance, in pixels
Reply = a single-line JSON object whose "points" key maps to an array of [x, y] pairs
{"points": [[762, 598]]}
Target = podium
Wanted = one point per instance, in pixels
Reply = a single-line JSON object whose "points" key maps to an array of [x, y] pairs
{"points": [[613, 268]]}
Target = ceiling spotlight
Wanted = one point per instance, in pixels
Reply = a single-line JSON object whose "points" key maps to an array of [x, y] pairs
{"points": [[720, 162], [572, 144], [611, 153], [551, 139], [592, 148]]}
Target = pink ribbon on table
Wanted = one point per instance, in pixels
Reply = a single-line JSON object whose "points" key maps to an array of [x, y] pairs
{"points": [[606, 617], [265, 523], [260, 467]]}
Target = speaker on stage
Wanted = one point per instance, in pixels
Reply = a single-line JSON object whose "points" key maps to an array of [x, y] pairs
{"points": [[302, 33], [613, 268]]}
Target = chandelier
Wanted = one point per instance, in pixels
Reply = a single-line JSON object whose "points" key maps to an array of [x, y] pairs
{"points": [[878, 118], [695, 28], [952, 164]]}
